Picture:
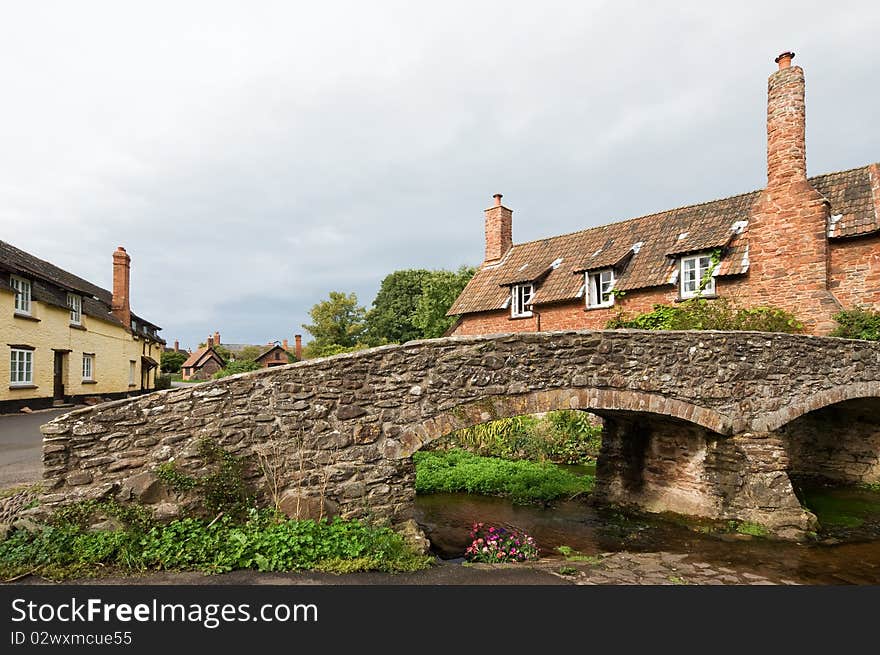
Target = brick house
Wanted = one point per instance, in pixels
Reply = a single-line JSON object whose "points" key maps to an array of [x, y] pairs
{"points": [[807, 245], [202, 363], [68, 340]]}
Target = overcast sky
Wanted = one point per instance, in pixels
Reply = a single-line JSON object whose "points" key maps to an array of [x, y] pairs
{"points": [[253, 156]]}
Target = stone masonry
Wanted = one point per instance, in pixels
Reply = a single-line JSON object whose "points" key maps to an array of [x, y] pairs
{"points": [[697, 410]]}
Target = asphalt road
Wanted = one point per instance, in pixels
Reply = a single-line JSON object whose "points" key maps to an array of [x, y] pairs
{"points": [[21, 446]]}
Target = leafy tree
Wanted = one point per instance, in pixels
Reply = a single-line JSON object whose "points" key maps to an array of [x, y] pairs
{"points": [[250, 353], [390, 320], [172, 361], [439, 291], [337, 321]]}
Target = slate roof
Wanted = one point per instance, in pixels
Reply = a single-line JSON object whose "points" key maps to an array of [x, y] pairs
{"points": [[50, 284], [644, 248]]}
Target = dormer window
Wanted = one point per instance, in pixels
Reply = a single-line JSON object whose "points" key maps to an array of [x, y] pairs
{"points": [[600, 284], [74, 303], [521, 300], [22, 289], [696, 277]]}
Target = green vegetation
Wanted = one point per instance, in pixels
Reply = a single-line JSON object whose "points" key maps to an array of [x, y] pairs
{"points": [[857, 323], [460, 471], [564, 437], [847, 507], [265, 541], [703, 314], [163, 382], [411, 304], [751, 529], [237, 366], [567, 570], [172, 360], [571, 555]]}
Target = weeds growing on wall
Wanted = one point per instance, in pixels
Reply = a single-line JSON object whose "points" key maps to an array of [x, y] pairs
{"points": [[524, 481], [67, 547], [857, 323]]}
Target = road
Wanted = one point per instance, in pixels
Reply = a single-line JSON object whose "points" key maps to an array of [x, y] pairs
{"points": [[21, 446]]}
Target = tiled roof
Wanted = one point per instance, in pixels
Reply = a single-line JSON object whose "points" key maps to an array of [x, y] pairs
{"points": [[198, 357], [51, 284], [644, 248]]}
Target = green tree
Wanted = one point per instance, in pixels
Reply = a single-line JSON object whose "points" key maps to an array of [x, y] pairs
{"points": [[238, 366], [390, 320], [250, 353], [439, 291], [172, 361], [336, 321]]}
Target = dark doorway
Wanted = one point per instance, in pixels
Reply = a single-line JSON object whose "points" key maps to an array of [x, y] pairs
{"points": [[59, 376]]}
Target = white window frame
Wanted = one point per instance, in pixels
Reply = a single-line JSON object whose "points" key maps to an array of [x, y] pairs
{"points": [[132, 372], [22, 289], [700, 264], [600, 284], [74, 303], [88, 367], [21, 367], [520, 298]]}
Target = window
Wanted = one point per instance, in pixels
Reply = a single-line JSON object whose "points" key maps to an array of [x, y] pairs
{"points": [[131, 372], [22, 290], [134, 326], [75, 304], [599, 287], [521, 300], [21, 367], [696, 276], [88, 367]]}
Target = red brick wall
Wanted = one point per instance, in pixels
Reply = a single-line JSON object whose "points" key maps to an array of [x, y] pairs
{"points": [[855, 272], [499, 230]]}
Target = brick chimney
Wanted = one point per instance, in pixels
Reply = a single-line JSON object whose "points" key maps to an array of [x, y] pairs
{"points": [[284, 344], [298, 346], [121, 303], [786, 123], [499, 230], [176, 346], [216, 338], [210, 342], [788, 244]]}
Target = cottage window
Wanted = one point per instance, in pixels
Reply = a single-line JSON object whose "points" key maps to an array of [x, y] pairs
{"points": [[88, 367], [74, 302], [22, 289], [521, 300], [131, 373], [21, 367], [599, 287], [134, 326], [696, 276]]}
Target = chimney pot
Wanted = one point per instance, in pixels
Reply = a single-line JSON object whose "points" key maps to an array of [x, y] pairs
{"points": [[210, 342], [784, 60], [498, 197], [216, 338]]}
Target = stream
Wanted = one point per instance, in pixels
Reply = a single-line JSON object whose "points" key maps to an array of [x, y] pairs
{"points": [[846, 551]]}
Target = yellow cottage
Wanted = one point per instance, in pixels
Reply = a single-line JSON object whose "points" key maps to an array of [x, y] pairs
{"points": [[67, 340]]}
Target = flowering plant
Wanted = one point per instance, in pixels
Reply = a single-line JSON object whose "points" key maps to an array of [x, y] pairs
{"points": [[493, 544]]}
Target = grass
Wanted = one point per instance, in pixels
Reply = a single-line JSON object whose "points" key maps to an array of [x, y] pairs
{"points": [[842, 508], [67, 548], [571, 555], [524, 481], [752, 529]]}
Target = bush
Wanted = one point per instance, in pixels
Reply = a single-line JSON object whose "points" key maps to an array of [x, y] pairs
{"points": [[565, 437], [163, 382], [857, 323], [238, 366], [460, 471], [172, 360], [703, 314], [496, 545]]}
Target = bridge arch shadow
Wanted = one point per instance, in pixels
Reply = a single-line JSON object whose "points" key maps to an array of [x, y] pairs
{"points": [[816, 401], [601, 401]]}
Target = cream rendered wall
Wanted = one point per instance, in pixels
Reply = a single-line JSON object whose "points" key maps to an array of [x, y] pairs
{"points": [[113, 347]]}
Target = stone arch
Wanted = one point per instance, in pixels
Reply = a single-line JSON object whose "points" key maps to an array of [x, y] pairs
{"points": [[490, 408], [825, 398]]}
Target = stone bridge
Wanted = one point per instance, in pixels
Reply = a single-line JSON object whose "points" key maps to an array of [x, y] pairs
{"points": [[703, 423]]}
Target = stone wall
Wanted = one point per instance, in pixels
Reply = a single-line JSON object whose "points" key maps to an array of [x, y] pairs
{"points": [[342, 429], [840, 443]]}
